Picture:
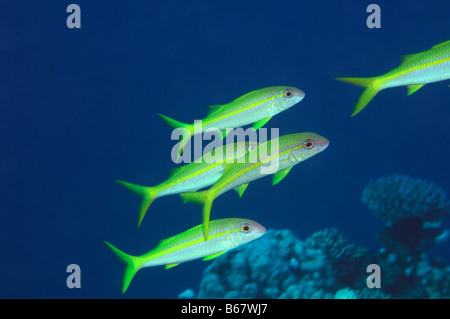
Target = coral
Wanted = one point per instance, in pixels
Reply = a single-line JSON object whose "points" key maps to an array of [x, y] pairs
{"points": [[187, 294], [346, 293], [326, 265], [346, 259], [414, 210], [279, 265], [396, 196]]}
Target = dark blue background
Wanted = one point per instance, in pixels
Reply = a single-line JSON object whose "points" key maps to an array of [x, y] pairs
{"points": [[78, 110]]}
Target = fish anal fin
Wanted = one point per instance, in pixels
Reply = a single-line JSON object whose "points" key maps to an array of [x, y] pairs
{"points": [[413, 88], [168, 266], [259, 124], [278, 176], [214, 255], [241, 189]]}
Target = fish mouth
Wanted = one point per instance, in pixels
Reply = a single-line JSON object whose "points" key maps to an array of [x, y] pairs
{"points": [[300, 94], [323, 144]]}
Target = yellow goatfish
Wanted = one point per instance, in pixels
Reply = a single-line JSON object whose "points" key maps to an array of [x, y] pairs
{"points": [[415, 71], [256, 107], [226, 234]]}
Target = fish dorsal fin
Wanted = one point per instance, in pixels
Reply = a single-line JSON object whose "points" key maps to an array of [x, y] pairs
{"points": [[170, 241], [242, 97], [441, 44], [214, 255], [175, 171], [278, 176], [213, 109], [168, 266], [164, 242], [241, 189], [408, 57], [413, 88]]}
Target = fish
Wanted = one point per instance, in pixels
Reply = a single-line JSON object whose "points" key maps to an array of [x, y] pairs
{"points": [[415, 71], [226, 234], [190, 177], [292, 149], [256, 107]]}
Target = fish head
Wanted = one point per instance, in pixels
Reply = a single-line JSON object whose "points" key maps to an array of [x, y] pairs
{"points": [[307, 145], [287, 96], [245, 230]]}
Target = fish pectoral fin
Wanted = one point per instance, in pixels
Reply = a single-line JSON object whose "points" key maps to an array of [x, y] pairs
{"points": [[413, 88], [278, 176], [214, 255], [259, 124], [241, 189], [168, 266], [224, 133]]}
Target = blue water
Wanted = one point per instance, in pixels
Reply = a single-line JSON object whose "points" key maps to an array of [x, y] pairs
{"points": [[78, 110]]}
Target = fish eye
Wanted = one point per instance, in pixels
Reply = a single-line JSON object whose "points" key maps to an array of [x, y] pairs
{"points": [[246, 228], [308, 144], [288, 93]]}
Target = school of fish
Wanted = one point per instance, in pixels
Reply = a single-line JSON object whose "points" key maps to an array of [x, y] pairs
{"points": [[235, 165]]}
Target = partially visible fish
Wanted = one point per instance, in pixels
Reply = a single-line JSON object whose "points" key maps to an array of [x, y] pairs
{"points": [[225, 234], [415, 71], [256, 107], [190, 177]]}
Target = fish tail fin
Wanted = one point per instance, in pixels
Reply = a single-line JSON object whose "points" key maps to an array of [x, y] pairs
{"points": [[368, 94], [132, 267], [177, 124], [204, 198], [149, 194]]}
